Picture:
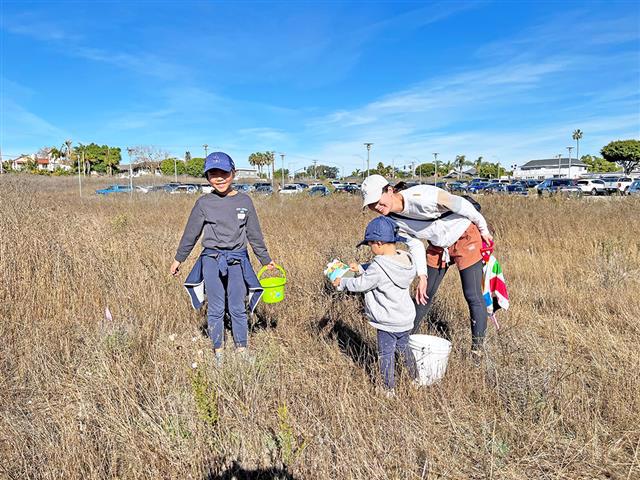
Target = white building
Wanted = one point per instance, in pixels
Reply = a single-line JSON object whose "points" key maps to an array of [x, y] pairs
{"points": [[246, 174], [550, 168]]}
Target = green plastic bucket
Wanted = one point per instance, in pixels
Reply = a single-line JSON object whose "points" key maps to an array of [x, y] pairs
{"points": [[273, 286]]}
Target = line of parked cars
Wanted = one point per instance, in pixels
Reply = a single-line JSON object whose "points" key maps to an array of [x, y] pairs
{"points": [[605, 185]]}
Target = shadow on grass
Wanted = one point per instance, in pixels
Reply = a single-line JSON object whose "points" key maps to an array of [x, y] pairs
{"points": [[236, 472], [351, 343], [435, 323]]}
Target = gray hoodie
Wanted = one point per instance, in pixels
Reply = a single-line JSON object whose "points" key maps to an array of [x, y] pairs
{"points": [[385, 284]]}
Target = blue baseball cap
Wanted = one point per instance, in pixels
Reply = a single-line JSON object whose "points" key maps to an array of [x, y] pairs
{"points": [[219, 160], [382, 229]]}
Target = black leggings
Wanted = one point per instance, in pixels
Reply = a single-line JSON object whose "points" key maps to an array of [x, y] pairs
{"points": [[471, 287]]}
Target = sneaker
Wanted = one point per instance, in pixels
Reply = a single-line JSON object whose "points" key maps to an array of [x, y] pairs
{"points": [[219, 359]]}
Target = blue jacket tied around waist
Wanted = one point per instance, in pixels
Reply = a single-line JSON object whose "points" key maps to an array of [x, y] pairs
{"points": [[194, 282]]}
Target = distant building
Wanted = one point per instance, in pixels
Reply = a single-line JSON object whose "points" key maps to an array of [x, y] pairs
{"points": [[246, 174], [550, 168]]}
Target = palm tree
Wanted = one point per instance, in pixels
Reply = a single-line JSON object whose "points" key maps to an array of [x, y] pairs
{"points": [[255, 161], [478, 165], [67, 151], [577, 135], [460, 162], [448, 166]]}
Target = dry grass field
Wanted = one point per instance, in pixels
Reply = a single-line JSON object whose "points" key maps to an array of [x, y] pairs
{"points": [[82, 397]]}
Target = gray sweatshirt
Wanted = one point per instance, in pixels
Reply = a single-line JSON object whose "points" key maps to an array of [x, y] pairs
{"points": [[385, 283], [225, 223]]}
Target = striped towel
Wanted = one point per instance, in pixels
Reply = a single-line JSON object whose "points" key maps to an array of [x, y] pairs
{"points": [[494, 288]]}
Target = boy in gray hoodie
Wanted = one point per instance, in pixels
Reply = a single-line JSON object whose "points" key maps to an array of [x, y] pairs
{"points": [[388, 305]]}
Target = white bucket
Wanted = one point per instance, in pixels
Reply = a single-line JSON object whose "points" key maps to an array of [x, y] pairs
{"points": [[431, 354]]}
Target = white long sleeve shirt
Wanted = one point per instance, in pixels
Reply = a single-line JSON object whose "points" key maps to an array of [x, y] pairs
{"points": [[420, 220]]}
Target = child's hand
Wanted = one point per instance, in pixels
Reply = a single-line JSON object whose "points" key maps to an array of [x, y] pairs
{"points": [[175, 268], [271, 265], [336, 282], [354, 267]]}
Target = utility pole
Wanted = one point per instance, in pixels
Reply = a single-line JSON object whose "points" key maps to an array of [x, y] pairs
{"points": [[175, 169], [559, 158], [368, 145], [315, 173], [569, 174], [129, 150], [435, 178], [282, 155], [205, 146]]}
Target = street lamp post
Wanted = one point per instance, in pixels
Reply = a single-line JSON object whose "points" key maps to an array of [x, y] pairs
{"points": [[129, 150], [569, 172], [205, 146], [282, 155], [435, 158], [368, 145]]}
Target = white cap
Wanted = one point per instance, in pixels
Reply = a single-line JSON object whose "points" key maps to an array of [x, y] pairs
{"points": [[372, 187]]}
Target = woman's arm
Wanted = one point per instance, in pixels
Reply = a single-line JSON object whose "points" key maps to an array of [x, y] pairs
{"points": [[419, 254]]}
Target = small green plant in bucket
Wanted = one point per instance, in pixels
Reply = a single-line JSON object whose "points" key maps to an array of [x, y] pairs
{"points": [[273, 286]]}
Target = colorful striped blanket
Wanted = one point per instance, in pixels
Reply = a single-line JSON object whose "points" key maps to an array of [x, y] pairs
{"points": [[494, 288]]}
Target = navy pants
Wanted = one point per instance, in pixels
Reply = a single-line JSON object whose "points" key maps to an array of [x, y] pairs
{"points": [[228, 292], [388, 344]]}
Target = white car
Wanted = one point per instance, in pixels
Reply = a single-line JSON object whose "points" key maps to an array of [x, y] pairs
{"points": [[206, 188], [592, 186], [291, 189], [623, 184]]}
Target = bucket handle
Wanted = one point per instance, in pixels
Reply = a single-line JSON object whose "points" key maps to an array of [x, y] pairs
{"points": [[264, 269]]}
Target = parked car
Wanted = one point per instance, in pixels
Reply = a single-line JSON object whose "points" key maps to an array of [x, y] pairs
{"points": [[206, 188], [185, 189], [442, 185], [477, 187], [319, 191], [623, 184], [113, 189], [457, 187], [517, 189], [553, 185], [143, 188], [571, 189], [243, 187], [263, 190], [495, 188], [304, 186], [634, 188], [616, 183], [291, 189], [592, 186], [347, 189]]}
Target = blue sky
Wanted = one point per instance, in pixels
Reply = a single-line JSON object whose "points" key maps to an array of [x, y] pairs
{"points": [[506, 80]]}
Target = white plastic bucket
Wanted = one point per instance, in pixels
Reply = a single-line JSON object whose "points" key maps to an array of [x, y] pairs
{"points": [[431, 354]]}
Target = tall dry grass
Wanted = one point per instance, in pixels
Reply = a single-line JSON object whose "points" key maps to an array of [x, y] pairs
{"points": [[84, 397]]}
